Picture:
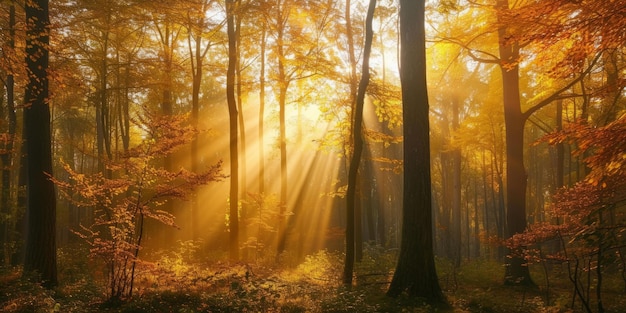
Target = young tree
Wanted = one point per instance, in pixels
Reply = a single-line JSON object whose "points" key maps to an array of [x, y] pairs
{"points": [[357, 135], [415, 271], [138, 192], [41, 201], [232, 113]]}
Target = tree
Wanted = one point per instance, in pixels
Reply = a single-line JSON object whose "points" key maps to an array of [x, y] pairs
{"points": [[7, 155], [415, 271], [513, 34], [141, 187], [589, 223], [357, 135], [197, 32], [41, 200], [516, 270], [233, 115]]}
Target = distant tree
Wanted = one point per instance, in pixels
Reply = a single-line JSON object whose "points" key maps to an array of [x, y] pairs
{"points": [[41, 200], [200, 40], [357, 134], [415, 271], [233, 115]]}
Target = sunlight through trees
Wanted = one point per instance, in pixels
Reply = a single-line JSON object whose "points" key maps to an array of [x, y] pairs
{"points": [[313, 155]]}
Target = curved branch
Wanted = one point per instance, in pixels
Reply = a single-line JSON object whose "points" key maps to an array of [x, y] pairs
{"points": [[557, 94]]}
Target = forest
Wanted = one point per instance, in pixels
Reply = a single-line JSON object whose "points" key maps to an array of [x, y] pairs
{"points": [[313, 156]]}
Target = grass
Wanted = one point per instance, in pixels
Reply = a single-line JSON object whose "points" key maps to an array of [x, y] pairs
{"points": [[313, 286]]}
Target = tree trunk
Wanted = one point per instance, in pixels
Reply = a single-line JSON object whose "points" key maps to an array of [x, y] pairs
{"points": [[516, 271], [455, 156], [232, 113], [7, 156], [262, 112], [243, 180], [283, 83], [415, 271], [41, 201], [357, 136]]}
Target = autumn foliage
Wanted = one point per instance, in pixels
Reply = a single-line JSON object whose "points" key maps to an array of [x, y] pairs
{"points": [[588, 221], [134, 188]]}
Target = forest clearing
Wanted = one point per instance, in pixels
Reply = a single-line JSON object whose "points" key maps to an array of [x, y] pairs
{"points": [[313, 156]]}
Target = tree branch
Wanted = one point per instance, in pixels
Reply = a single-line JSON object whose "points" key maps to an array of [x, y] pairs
{"points": [[557, 94]]}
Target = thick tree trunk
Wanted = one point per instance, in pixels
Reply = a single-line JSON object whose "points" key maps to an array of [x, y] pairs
{"points": [[415, 271], [41, 200], [516, 271]]}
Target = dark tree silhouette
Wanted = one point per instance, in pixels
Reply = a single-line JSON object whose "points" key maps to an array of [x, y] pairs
{"points": [[415, 271], [358, 147], [41, 204]]}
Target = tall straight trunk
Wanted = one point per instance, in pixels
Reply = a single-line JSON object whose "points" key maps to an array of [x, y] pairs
{"points": [[102, 110], [7, 157], [283, 86], [232, 113], [198, 56], [262, 111], [196, 30], [168, 43], [560, 149], [243, 180], [476, 220], [41, 200], [369, 198], [455, 155], [516, 270], [415, 271], [357, 135]]}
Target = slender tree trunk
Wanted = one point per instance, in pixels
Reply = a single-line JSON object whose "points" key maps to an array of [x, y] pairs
{"points": [[7, 156], [242, 136], [455, 155], [102, 130], [232, 112], [197, 54], [262, 112], [357, 136], [415, 271], [41, 200], [195, 112], [283, 83]]}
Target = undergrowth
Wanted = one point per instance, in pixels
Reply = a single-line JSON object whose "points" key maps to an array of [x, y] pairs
{"points": [[181, 281]]}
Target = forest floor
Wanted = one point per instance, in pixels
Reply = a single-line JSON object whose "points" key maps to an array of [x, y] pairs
{"points": [[174, 284]]}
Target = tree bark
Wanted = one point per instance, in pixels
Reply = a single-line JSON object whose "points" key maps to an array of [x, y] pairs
{"points": [[516, 271], [283, 86], [232, 113], [415, 271], [355, 160], [41, 201], [7, 156]]}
